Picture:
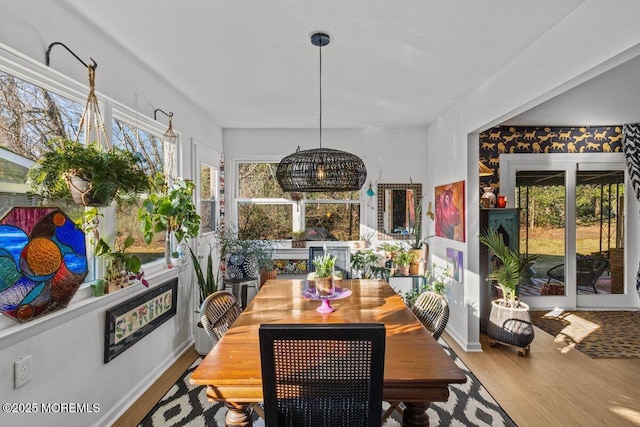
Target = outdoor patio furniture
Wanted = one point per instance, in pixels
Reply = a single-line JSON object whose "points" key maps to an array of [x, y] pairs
{"points": [[588, 270]]}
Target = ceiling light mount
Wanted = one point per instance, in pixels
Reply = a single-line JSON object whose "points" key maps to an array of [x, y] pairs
{"points": [[321, 169]]}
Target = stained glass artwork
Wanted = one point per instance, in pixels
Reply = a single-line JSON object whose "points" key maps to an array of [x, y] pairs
{"points": [[43, 261]]}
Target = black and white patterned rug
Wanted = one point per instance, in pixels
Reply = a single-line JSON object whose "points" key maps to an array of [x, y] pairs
{"points": [[469, 404]]}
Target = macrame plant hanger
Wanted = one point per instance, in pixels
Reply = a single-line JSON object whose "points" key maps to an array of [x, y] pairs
{"points": [[91, 124]]}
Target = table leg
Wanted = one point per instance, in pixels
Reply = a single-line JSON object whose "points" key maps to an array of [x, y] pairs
{"points": [[239, 414], [415, 414]]}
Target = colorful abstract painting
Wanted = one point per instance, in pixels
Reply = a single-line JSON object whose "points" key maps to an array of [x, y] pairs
{"points": [[43, 262], [455, 267], [450, 211]]}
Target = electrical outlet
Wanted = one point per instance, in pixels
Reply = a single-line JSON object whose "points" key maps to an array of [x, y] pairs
{"points": [[22, 371]]}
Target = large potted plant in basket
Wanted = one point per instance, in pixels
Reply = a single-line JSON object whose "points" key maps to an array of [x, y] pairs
{"points": [[509, 318], [90, 175]]}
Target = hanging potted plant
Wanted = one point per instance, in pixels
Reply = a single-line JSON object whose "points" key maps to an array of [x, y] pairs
{"points": [[89, 175], [509, 318], [170, 210]]}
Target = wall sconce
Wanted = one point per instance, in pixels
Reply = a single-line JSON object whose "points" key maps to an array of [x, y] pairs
{"points": [[169, 136]]}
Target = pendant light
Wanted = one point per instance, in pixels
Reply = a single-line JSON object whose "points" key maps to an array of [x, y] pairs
{"points": [[321, 169]]}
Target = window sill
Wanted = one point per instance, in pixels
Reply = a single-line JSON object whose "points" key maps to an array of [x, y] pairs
{"points": [[83, 302]]}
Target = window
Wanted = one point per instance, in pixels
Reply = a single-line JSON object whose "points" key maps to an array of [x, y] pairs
{"points": [[265, 212], [209, 180], [30, 115], [155, 161]]}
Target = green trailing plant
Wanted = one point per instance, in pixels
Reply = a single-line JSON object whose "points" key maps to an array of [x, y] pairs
{"points": [[508, 266], [109, 173], [363, 261], [324, 265], [207, 282], [170, 209]]}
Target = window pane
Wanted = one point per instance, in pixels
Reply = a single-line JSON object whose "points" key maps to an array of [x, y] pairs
{"points": [[137, 140], [258, 180], [208, 192], [152, 151], [127, 224], [29, 116], [340, 220], [336, 195], [263, 221]]}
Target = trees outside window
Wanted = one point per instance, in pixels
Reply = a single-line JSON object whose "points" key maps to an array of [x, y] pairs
{"points": [[264, 211]]}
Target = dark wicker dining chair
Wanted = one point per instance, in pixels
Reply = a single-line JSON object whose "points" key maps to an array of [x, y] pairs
{"points": [[322, 374], [432, 310]]}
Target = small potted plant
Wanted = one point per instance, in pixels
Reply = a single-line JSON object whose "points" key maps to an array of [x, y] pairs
{"points": [[403, 259], [324, 265], [297, 239], [362, 261], [121, 267], [89, 175]]}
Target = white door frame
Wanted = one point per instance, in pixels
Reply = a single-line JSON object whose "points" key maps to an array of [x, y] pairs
{"points": [[569, 163]]}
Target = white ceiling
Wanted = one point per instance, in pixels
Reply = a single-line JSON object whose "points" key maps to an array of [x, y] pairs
{"points": [[389, 64]]}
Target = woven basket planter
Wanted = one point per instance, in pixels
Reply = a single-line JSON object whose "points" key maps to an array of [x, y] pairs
{"points": [[510, 325]]}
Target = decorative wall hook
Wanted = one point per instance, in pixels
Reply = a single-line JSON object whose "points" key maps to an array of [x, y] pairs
{"points": [[48, 54]]}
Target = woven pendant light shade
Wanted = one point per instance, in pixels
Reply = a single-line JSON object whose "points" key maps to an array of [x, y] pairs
{"points": [[321, 169]]}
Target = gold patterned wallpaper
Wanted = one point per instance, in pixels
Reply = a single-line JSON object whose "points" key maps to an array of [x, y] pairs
{"points": [[516, 139]]}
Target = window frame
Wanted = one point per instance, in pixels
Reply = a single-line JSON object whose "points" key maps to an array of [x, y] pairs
{"points": [[298, 215]]}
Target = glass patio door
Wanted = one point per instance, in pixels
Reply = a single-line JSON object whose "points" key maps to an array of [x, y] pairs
{"points": [[572, 217]]}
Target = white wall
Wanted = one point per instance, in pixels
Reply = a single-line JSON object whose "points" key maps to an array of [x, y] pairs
{"points": [[67, 347], [570, 53]]}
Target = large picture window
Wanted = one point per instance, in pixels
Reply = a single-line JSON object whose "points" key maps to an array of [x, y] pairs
{"points": [[265, 212]]}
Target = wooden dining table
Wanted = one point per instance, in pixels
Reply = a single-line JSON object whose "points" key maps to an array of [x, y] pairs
{"points": [[417, 371]]}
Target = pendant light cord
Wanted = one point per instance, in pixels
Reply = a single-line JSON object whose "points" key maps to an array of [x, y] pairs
{"points": [[320, 47]]}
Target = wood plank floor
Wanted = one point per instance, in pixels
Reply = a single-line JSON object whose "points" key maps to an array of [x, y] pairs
{"points": [[552, 386], [557, 386]]}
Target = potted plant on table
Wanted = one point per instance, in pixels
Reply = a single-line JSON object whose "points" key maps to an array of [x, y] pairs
{"points": [[170, 209], [509, 319], [324, 265], [90, 175]]}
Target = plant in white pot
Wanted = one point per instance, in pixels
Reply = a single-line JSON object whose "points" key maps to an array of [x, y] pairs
{"points": [[509, 319]]}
